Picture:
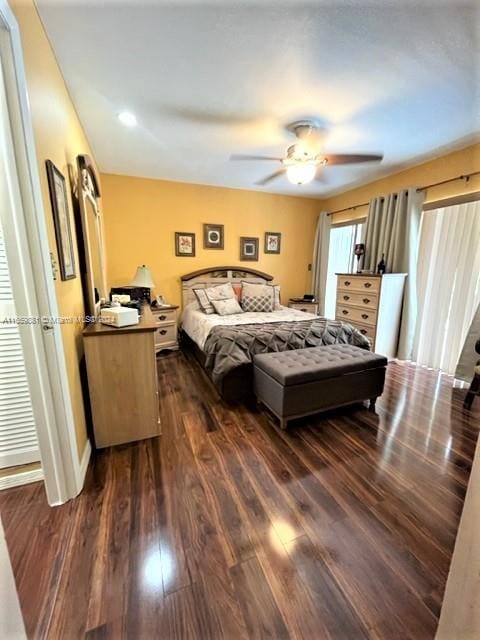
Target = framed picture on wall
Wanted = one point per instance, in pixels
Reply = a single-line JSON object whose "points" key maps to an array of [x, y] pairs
{"points": [[184, 244], [213, 236], [249, 249], [61, 219], [272, 242]]}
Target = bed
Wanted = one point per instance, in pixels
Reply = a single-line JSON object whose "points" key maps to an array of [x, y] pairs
{"points": [[225, 345]]}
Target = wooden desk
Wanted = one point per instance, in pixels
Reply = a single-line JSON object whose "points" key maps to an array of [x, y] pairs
{"points": [[122, 381]]}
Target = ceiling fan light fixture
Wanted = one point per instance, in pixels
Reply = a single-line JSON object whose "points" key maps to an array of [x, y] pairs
{"points": [[127, 118], [301, 172]]}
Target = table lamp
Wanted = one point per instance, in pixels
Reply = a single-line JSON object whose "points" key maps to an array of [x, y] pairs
{"points": [[143, 280]]}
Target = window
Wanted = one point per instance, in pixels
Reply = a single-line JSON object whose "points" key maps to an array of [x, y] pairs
{"points": [[341, 259]]}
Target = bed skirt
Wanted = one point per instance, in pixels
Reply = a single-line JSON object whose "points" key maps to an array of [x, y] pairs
{"points": [[236, 385]]}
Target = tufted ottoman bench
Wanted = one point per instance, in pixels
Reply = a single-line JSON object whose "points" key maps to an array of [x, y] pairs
{"points": [[300, 382]]}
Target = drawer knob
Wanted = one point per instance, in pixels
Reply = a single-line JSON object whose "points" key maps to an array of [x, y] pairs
{"points": [[347, 283], [366, 300], [367, 285], [363, 332], [162, 317], [346, 297], [365, 316], [163, 332], [345, 312]]}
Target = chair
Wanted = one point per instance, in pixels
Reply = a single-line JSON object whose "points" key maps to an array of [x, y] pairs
{"points": [[474, 389]]}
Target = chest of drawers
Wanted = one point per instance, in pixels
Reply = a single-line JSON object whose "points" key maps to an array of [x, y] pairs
{"points": [[372, 304]]}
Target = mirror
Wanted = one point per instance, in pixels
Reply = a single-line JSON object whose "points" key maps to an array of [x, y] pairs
{"points": [[92, 229]]}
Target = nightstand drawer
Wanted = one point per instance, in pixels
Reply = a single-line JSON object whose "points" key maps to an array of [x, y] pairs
{"points": [[364, 300], [307, 307], [165, 334], [359, 283], [353, 314], [165, 315]]}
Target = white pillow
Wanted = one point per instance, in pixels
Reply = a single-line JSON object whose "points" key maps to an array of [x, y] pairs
{"points": [[218, 292], [227, 307]]}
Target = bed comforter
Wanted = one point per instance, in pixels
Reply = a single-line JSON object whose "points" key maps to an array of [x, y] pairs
{"points": [[228, 347]]}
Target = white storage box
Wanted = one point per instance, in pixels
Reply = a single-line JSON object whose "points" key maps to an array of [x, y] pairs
{"points": [[119, 316]]}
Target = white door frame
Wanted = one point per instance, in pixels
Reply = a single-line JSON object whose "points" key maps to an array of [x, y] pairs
{"points": [[34, 289]]}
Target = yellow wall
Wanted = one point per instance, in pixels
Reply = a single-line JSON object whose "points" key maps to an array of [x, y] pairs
{"points": [[60, 138], [448, 166], [142, 215]]}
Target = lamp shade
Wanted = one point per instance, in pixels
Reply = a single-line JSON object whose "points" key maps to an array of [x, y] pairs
{"points": [[143, 278]]}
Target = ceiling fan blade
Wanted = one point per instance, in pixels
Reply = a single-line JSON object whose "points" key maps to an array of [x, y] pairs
{"points": [[352, 158], [272, 176], [241, 156]]}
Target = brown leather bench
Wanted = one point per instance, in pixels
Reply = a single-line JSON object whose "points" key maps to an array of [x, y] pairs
{"points": [[297, 383]]}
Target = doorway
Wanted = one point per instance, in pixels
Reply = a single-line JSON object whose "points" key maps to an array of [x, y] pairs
{"points": [[28, 290]]}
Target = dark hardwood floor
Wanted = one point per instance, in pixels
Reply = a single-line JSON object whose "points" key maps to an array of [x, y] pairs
{"points": [[226, 527]]}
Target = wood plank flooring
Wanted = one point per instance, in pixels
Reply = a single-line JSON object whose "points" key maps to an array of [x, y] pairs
{"points": [[228, 528]]}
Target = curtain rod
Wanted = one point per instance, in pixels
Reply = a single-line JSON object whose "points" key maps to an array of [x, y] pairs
{"points": [[465, 177]]}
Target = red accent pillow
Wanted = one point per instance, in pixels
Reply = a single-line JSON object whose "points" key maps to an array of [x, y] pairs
{"points": [[237, 288]]}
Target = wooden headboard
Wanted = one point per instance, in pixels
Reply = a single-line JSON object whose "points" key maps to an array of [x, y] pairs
{"points": [[218, 275]]}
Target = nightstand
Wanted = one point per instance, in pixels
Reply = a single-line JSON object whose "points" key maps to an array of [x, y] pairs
{"points": [[305, 305], [166, 332]]}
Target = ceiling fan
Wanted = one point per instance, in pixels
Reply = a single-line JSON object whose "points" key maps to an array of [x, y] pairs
{"points": [[303, 160]]}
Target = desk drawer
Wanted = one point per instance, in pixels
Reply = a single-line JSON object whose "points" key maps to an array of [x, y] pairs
{"points": [[354, 314], [359, 283], [363, 300]]}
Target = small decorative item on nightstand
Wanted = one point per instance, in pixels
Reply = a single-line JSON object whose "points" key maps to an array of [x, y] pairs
{"points": [[308, 305], [166, 333], [359, 252]]}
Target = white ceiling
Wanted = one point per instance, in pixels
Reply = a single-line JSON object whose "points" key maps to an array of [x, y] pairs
{"points": [[207, 79]]}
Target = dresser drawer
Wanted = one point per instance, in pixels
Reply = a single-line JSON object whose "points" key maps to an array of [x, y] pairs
{"points": [[365, 330], [165, 334], [354, 314], [165, 315], [364, 300], [359, 283]]}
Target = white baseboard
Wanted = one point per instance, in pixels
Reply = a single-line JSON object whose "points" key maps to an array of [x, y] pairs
{"points": [[23, 477], [87, 452]]}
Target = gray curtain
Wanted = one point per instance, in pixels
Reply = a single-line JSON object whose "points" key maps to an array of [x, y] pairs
{"points": [[469, 357], [320, 260], [392, 229]]}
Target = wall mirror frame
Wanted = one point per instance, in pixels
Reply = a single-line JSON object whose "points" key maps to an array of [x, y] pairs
{"points": [[94, 276]]}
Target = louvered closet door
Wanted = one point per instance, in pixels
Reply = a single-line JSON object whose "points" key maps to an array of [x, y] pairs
{"points": [[18, 440]]}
